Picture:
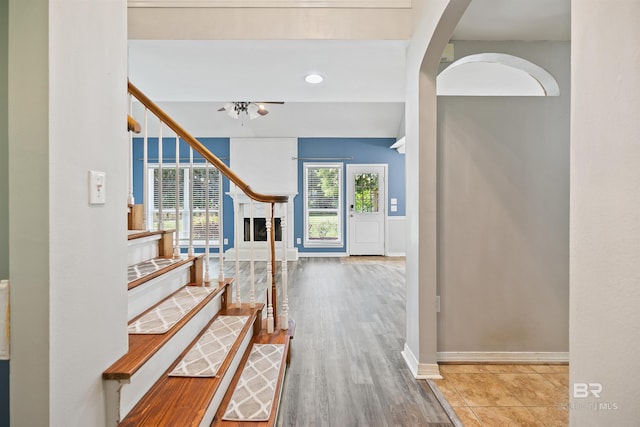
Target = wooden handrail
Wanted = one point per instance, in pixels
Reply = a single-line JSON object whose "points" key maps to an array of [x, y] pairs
{"points": [[133, 125], [203, 151]]}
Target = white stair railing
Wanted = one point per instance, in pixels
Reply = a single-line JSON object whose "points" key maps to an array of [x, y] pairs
{"points": [[207, 237], [252, 266], [188, 212], [284, 319], [176, 249], [160, 180]]}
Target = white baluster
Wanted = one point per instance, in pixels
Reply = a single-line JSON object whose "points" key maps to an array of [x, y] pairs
{"points": [[252, 294], [130, 199], [284, 318], [270, 325], [176, 249], [207, 278], [236, 227], [190, 252], [160, 204], [220, 230], [145, 174]]}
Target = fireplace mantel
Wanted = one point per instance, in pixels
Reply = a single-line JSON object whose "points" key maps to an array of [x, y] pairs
{"points": [[260, 248]]}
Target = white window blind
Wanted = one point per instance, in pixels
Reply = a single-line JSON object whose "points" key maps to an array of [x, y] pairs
{"points": [[169, 198], [323, 204]]}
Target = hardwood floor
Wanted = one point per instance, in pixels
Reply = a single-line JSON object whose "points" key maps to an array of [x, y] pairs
{"points": [[346, 368]]}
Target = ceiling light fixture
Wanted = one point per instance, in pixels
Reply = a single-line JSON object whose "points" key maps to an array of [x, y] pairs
{"points": [[242, 108], [314, 79]]}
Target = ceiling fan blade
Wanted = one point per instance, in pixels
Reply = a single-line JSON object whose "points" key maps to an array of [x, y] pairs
{"points": [[221, 109], [270, 102]]}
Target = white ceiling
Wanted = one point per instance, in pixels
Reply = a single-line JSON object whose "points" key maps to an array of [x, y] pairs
{"points": [[363, 91]]}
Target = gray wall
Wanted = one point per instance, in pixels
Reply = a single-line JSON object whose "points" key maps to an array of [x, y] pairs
{"points": [[4, 141], [504, 213], [4, 192]]}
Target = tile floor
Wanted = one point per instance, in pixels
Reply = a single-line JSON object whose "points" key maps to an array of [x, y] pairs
{"points": [[507, 395]]}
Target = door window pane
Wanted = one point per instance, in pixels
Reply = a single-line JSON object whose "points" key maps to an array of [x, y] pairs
{"points": [[366, 192]]}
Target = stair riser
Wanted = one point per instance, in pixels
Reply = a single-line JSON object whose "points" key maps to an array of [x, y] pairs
{"points": [[152, 292], [142, 249], [146, 376], [226, 381]]}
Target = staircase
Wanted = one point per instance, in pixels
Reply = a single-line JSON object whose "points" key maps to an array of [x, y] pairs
{"points": [[197, 356]]}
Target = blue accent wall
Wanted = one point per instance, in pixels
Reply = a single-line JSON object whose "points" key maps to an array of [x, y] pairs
{"points": [[359, 150], [218, 146]]}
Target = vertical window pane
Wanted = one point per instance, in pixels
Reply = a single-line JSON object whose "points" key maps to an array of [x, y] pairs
{"points": [[199, 201], [323, 195], [366, 192]]}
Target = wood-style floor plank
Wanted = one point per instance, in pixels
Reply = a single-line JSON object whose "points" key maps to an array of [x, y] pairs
{"points": [[346, 368]]}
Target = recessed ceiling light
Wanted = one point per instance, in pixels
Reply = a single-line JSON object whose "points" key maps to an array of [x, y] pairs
{"points": [[314, 78]]}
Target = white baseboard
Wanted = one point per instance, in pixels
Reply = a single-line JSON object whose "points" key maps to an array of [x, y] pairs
{"points": [[321, 254], [503, 357], [420, 371], [396, 254]]}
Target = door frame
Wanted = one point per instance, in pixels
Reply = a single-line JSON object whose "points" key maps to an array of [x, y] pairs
{"points": [[347, 195]]}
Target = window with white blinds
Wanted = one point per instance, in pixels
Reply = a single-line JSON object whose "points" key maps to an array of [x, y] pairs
{"points": [[323, 204], [184, 198]]}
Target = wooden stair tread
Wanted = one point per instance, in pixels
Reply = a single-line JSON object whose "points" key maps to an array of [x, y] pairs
{"points": [[183, 401], [160, 272], [143, 346], [279, 337]]}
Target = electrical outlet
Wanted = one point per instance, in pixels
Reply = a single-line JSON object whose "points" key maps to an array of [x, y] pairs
{"points": [[225, 241], [298, 241]]}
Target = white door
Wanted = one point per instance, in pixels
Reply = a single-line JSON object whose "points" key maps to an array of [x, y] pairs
{"points": [[366, 188]]}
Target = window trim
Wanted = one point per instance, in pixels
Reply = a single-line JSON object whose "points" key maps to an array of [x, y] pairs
{"points": [[184, 211], [339, 242]]}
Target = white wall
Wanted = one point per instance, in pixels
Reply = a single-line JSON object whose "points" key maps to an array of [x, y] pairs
{"points": [[504, 214], [433, 24], [68, 258], [605, 207]]}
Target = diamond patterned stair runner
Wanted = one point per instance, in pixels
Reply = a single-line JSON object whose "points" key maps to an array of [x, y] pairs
{"points": [[134, 272], [170, 311], [206, 356], [254, 394]]}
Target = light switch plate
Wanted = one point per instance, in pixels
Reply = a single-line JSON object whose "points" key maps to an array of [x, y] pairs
{"points": [[394, 208], [97, 188], [394, 201]]}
